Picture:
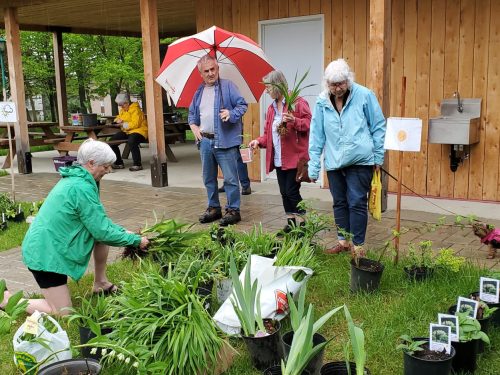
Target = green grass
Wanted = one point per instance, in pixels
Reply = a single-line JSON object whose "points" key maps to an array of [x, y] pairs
{"points": [[3, 172], [3, 152], [399, 307], [14, 234]]}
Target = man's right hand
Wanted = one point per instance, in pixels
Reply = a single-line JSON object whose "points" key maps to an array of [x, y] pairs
{"points": [[196, 131]]}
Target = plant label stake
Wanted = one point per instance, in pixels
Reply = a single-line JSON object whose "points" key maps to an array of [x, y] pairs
{"points": [[8, 115]]}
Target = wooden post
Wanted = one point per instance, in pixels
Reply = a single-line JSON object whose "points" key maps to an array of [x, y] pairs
{"points": [[400, 176], [151, 53], [379, 68], [13, 39], [62, 97]]}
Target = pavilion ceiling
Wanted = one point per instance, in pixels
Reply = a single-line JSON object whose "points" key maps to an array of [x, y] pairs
{"points": [[102, 17]]}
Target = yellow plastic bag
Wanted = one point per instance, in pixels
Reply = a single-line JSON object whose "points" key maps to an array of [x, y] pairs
{"points": [[375, 199]]}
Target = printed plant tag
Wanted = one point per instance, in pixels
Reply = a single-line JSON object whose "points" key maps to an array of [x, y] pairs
{"points": [[467, 305], [31, 325], [489, 290], [440, 338], [452, 322]]}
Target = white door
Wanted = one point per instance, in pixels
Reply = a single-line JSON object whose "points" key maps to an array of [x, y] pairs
{"points": [[293, 45]]}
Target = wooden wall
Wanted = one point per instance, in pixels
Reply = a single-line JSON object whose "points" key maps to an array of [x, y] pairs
{"points": [[441, 46]]}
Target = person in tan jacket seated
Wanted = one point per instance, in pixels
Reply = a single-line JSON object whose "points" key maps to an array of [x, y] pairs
{"points": [[133, 128]]}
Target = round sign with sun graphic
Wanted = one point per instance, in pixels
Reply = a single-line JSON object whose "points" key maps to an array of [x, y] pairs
{"points": [[402, 135]]}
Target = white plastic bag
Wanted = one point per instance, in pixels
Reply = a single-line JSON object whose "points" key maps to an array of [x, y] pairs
{"points": [[274, 282], [28, 354]]}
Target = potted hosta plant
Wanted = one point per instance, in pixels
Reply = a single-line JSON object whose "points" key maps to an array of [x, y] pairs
{"points": [[419, 263], [357, 344], [297, 316], [290, 95], [418, 359], [261, 337], [468, 345]]}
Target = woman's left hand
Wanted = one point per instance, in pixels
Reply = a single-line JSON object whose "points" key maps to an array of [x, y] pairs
{"points": [[288, 117]]}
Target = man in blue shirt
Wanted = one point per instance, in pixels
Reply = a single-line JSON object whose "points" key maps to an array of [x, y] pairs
{"points": [[215, 117]]}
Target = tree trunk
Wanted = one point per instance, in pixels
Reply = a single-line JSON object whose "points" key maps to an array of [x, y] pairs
{"points": [[81, 97]]}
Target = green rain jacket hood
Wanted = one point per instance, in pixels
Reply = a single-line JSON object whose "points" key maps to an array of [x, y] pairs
{"points": [[71, 220]]}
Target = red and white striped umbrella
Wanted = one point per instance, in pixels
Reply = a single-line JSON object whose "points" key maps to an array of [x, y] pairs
{"points": [[240, 60]]}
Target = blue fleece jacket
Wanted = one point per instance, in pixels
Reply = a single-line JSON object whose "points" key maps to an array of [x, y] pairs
{"points": [[353, 137], [227, 133]]}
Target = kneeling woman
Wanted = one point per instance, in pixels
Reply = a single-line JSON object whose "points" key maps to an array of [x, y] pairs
{"points": [[70, 226]]}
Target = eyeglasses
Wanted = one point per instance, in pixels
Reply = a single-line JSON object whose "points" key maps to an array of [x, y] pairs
{"points": [[337, 84]]}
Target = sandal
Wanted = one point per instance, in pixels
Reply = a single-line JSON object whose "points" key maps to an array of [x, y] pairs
{"points": [[112, 289]]}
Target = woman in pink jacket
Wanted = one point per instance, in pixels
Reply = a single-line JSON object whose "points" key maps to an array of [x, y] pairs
{"points": [[285, 148]]}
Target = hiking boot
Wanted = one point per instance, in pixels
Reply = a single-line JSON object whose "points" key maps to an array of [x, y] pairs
{"points": [[338, 248], [118, 166], [211, 214], [135, 168], [221, 189], [246, 191], [230, 217]]}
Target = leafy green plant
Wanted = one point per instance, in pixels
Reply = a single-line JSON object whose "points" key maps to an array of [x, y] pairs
{"points": [[259, 242], [314, 222], [296, 252], [410, 346], [357, 343], [12, 310], [290, 95], [246, 301], [162, 326], [447, 260], [91, 312], [470, 329], [8, 206], [194, 268], [421, 257], [302, 349], [35, 207]]}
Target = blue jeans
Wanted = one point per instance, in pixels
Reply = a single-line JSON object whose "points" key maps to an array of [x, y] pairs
{"points": [[227, 160], [350, 187], [243, 173]]}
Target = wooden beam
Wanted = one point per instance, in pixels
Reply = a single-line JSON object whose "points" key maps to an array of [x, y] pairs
{"points": [[62, 101], [20, 3], [379, 56], [151, 55], [13, 39]]}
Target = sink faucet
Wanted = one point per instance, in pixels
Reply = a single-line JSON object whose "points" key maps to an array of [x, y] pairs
{"points": [[460, 106]]}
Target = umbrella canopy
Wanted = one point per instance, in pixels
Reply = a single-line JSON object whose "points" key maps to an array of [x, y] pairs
{"points": [[240, 60]]}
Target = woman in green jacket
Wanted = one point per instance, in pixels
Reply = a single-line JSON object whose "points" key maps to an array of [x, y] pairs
{"points": [[70, 226]]}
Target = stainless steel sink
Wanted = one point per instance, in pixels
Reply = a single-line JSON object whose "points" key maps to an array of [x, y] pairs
{"points": [[454, 127]]}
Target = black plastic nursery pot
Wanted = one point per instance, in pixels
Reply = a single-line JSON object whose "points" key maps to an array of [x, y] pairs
{"points": [[418, 273], [365, 277], [485, 327], [316, 362], [495, 318], [465, 359], [276, 370], [205, 289], [75, 366], [418, 365], [85, 336], [340, 368], [265, 351], [19, 218]]}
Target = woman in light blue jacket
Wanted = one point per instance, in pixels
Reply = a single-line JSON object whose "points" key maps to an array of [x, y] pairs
{"points": [[349, 127]]}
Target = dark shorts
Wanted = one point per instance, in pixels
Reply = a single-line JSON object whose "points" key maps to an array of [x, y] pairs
{"points": [[47, 280]]}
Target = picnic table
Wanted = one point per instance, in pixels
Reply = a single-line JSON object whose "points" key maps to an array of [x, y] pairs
{"points": [[36, 138], [77, 133]]}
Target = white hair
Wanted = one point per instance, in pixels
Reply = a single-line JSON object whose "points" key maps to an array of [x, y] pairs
{"points": [[99, 152], [205, 59], [122, 98], [338, 71]]}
